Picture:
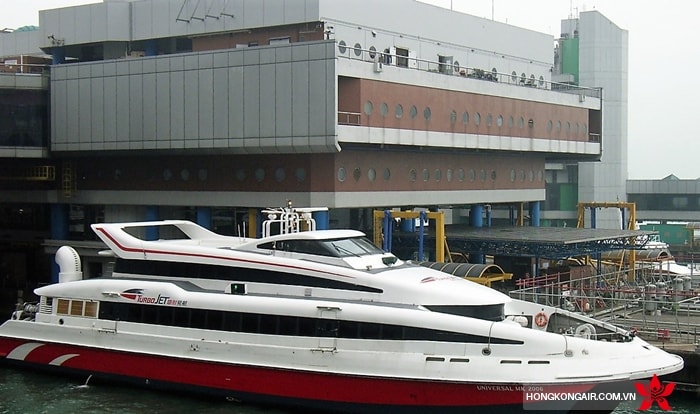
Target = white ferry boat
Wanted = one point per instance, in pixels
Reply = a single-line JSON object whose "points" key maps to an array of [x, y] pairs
{"points": [[318, 319]]}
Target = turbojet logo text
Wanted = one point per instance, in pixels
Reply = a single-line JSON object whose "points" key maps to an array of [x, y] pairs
{"points": [[580, 396], [138, 296]]}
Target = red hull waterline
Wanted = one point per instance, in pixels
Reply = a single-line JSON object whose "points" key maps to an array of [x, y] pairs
{"points": [[276, 386]]}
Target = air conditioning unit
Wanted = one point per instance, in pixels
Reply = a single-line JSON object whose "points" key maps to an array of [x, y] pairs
{"points": [[378, 66], [582, 98]]}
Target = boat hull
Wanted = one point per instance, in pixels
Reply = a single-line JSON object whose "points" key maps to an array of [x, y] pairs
{"points": [[292, 388]]}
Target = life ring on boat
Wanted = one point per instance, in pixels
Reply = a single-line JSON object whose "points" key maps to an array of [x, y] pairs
{"points": [[541, 320]]}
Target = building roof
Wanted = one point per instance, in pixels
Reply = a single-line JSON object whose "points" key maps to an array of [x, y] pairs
{"points": [[545, 242]]}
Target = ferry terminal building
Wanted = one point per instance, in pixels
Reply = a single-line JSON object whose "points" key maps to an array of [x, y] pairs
{"points": [[159, 109]]}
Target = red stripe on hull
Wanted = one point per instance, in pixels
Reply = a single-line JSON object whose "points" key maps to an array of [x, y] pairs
{"points": [[278, 383]]}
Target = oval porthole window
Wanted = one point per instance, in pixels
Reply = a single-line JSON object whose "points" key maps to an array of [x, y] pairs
{"points": [[369, 108], [342, 174], [371, 174], [280, 174], [399, 111], [372, 52], [300, 174], [412, 175], [477, 118], [342, 47], [427, 113], [383, 109], [358, 49], [413, 112], [259, 174], [387, 174]]}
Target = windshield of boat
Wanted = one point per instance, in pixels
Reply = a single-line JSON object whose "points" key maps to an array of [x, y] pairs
{"points": [[357, 246], [348, 247]]}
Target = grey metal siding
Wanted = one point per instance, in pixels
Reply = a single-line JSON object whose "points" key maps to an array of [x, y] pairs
{"points": [[267, 99]]}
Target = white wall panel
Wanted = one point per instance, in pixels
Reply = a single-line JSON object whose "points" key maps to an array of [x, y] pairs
{"points": [[191, 97], [73, 115], [84, 112], [283, 99], [251, 100], [163, 106], [150, 107], [300, 93], [110, 108], [220, 113], [97, 102], [205, 107], [236, 107], [135, 108], [122, 93], [267, 93]]}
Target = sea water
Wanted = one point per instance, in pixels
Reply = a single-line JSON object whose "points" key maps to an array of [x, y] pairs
{"points": [[30, 392]]}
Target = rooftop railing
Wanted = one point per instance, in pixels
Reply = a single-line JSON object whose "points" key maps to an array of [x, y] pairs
{"points": [[452, 68]]}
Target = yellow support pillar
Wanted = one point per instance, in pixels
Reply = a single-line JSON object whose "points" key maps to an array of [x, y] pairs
{"points": [[252, 222], [439, 217]]}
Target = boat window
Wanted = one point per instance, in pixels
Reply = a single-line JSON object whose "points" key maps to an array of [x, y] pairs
{"points": [[356, 246], [231, 273], [164, 232], [486, 312], [76, 307], [314, 247], [287, 325]]}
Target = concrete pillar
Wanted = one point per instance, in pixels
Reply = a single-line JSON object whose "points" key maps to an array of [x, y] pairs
{"points": [[476, 215], [476, 219], [322, 219], [408, 225], [535, 213]]}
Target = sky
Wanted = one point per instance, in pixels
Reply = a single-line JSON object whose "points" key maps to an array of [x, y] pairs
{"points": [[664, 115]]}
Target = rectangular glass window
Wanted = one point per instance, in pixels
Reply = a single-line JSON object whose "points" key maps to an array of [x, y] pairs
{"points": [[62, 306], [91, 309], [76, 307]]}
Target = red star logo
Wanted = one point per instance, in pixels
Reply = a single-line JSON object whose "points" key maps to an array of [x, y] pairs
{"points": [[656, 393]]}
